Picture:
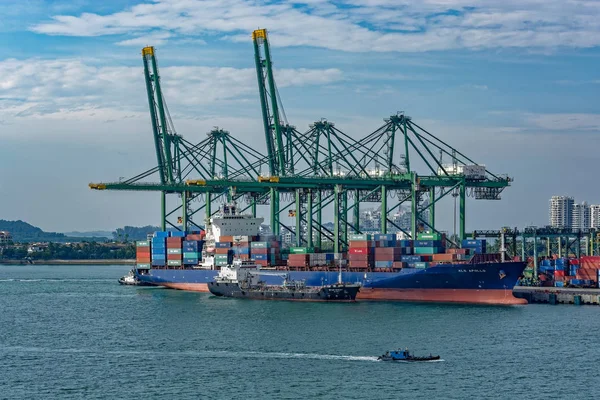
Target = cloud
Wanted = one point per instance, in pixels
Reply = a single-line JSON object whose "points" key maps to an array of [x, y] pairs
{"points": [[74, 89], [355, 25], [154, 39], [566, 123]]}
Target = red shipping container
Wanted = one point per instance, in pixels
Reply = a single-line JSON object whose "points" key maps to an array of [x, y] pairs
{"points": [[221, 250], [398, 264], [359, 264], [141, 259], [360, 257], [360, 243], [360, 250], [174, 239], [259, 250], [559, 273], [143, 252], [457, 251], [391, 251], [195, 236], [174, 256]]}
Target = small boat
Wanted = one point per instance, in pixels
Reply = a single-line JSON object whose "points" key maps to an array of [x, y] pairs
{"points": [[404, 355], [132, 280]]}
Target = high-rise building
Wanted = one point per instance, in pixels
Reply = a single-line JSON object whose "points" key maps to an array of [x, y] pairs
{"points": [[561, 211], [581, 216], [595, 216]]}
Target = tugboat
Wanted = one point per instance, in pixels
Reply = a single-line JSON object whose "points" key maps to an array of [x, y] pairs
{"points": [[404, 355], [242, 280], [132, 280]]}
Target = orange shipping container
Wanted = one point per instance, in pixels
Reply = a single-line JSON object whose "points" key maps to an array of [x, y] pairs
{"points": [[444, 257]]}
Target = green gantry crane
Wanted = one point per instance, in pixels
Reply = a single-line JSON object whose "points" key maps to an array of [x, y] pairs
{"points": [[309, 171]]}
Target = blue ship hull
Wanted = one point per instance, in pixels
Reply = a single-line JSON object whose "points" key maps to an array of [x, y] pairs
{"points": [[483, 283]]}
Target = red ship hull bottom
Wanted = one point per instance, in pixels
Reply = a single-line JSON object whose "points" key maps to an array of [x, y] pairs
{"points": [[470, 296], [190, 287]]}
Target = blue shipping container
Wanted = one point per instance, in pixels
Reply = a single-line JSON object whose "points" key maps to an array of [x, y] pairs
{"points": [[559, 284], [191, 261], [159, 263], [222, 245], [473, 243], [410, 259], [260, 256], [383, 264], [405, 243], [192, 248], [161, 234]]}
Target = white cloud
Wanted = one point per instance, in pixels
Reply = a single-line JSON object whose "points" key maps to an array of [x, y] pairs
{"points": [[154, 39], [565, 123], [368, 25], [74, 89]]}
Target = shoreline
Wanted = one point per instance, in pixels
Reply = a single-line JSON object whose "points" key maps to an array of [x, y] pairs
{"points": [[69, 262]]}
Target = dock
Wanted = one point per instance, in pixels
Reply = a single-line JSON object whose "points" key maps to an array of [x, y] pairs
{"points": [[555, 295]]}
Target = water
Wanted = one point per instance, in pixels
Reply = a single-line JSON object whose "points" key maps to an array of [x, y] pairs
{"points": [[74, 332]]}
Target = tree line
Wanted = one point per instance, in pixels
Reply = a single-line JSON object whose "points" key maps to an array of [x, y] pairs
{"points": [[79, 251]]}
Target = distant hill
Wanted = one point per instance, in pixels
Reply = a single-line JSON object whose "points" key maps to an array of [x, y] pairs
{"points": [[23, 232], [134, 232], [104, 234]]}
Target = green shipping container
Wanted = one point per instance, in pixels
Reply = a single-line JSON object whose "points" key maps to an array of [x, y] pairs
{"points": [[360, 236], [143, 266], [428, 250], [174, 251], [421, 265], [142, 243], [429, 236], [174, 263], [192, 255], [220, 263], [221, 257], [302, 250], [259, 245]]}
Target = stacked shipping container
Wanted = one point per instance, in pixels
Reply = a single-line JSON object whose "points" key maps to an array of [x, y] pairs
{"points": [[159, 249], [361, 251], [477, 246], [174, 251], [142, 254]]}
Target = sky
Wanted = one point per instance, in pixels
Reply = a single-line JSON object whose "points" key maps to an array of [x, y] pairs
{"points": [[512, 84]]}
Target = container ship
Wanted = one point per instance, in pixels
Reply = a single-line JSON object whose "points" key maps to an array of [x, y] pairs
{"points": [[422, 270]]}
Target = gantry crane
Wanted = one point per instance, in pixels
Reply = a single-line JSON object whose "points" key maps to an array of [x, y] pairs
{"points": [[309, 171]]}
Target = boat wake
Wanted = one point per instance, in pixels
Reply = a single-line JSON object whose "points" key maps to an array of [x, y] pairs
{"points": [[412, 362], [199, 353], [56, 280]]}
